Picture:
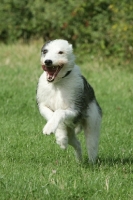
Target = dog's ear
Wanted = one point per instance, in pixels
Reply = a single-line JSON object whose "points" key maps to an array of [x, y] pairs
{"points": [[71, 46], [45, 44]]}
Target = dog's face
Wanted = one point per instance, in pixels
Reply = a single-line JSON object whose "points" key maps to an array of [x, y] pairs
{"points": [[57, 59]]}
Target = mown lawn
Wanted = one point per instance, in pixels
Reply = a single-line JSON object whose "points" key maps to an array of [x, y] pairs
{"points": [[32, 166]]}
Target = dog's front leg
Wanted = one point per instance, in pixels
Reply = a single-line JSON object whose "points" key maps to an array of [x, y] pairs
{"points": [[59, 116], [45, 112], [62, 136]]}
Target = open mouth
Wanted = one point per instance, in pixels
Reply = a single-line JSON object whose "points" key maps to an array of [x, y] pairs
{"points": [[51, 71]]}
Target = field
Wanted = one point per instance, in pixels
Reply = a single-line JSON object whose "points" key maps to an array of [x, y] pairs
{"points": [[32, 166]]}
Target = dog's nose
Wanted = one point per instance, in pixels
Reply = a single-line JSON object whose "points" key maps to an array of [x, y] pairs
{"points": [[48, 62]]}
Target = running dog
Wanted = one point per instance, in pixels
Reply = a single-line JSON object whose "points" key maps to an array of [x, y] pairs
{"points": [[66, 100]]}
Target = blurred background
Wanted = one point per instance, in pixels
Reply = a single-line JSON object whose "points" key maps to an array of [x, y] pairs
{"points": [[101, 26]]}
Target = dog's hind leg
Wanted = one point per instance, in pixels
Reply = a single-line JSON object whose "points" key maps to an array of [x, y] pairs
{"points": [[72, 140], [92, 132], [92, 140]]}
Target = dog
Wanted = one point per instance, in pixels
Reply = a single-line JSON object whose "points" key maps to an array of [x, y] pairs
{"points": [[67, 101]]}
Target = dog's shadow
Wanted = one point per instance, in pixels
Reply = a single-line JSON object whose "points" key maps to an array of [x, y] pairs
{"points": [[108, 162]]}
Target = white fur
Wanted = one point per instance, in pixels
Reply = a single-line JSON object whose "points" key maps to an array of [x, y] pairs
{"points": [[56, 101]]}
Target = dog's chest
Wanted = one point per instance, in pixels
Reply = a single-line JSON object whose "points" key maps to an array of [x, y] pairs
{"points": [[57, 98]]}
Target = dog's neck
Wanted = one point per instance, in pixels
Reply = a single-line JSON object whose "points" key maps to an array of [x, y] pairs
{"points": [[67, 74]]}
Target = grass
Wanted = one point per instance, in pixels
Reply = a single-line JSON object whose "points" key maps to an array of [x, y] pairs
{"points": [[32, 165]]}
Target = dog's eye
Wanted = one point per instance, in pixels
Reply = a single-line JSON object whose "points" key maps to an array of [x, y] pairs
{"points": [[60, 52], [44, 51]]}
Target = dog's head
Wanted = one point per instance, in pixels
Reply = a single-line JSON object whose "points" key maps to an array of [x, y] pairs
{"points": [[57, 59]]}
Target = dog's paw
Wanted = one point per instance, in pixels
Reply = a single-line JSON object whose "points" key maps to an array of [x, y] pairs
{"points": [[62, 143], [45, 131], [49, 128]]}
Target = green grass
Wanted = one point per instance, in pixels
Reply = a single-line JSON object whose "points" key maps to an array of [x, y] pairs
{"points": [[32, 166]]}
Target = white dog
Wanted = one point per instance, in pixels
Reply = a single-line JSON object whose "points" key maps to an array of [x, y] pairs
{"points": [[66, 100]]}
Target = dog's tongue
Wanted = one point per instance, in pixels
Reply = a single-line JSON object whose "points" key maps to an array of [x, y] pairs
{"points": [[51, 72], [51, 75]]}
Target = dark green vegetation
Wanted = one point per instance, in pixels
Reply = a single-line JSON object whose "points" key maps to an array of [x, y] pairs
{"points": [[94, 26], [32, 166]]}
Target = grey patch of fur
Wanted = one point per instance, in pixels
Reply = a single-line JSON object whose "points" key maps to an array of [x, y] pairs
{"points": [[85, 97]]}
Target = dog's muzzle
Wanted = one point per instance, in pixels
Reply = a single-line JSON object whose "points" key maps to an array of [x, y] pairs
{"points": [[52, 71]]}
